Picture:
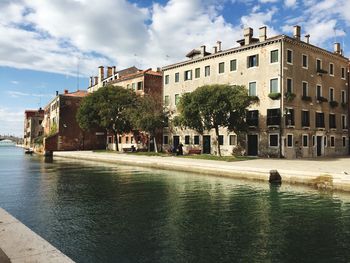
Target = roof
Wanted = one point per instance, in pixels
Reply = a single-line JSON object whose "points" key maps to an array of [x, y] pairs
{"points": [[128, 71], [135, 75], [78, 93]]}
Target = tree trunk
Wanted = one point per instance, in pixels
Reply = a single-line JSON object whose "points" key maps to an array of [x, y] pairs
{"points": [[116, 141], [155, 144], [217, 139]]}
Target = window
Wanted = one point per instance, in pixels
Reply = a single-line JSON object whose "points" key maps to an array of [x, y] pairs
{"points": [[165, 139], [325, 141], [331, 94], [132, 139], [197, 73], [133, 85], [305, 140], [344, 141], [177, 77], [274, 86], [305, 118], [318, 91], [166, 100], [252, 118], [139, 85], [343, 122], [305, 89], [305, 61], [273, 117], [253, 61], [233, 65], [289, 56], [177, 99], [331, 69], [332, 141], [343, 73], [109, 138], [313, 140], [290, 117], [343, 96], [126, 139], [221, 67], [188, 75], [120, 139], [332, 121], [221, 139], [233, 139], [207, 71], [196, 139], [252, 89], [320, 120], [274, 56], [318, 65], [273, 140], [187, 139], [289, 85], [289, 140], [166, 80]]}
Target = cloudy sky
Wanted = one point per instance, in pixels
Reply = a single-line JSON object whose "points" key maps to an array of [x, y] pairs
{"points": [[43, 42]]}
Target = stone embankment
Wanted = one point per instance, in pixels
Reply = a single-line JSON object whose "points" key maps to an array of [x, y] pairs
{"points": [[333, 174], [20, 244]]}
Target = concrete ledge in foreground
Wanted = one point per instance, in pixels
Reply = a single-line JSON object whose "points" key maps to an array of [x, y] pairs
{"points": [[19, 244], [332, 174]]}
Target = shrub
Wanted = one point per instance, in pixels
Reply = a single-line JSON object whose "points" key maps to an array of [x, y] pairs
{"points": [[275, 95]]}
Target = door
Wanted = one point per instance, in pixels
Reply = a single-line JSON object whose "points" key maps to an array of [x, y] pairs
{"points": [[252, 144], [319, 145], [176, 141], [206, 144]]}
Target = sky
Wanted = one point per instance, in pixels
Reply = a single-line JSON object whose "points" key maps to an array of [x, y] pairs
{"points": [[49, 46]]}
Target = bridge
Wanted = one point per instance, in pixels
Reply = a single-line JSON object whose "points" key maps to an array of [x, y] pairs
{"points": [[11, 138]]}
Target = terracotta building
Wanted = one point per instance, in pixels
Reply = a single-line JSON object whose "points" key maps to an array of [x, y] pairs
{"points": [[62, 132], [32, 126], [303, 93], [143, 82]]}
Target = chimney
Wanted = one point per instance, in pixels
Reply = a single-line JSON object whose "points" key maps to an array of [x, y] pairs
{"points": [[56, 92], [218, 46], [262, 33], [109, 72], [337, 48], [248, 34], [96, 80], [215, 49], [297, 30], [90, 81], [113, 70], [203, 50], [307, 38], [101, 73], [65, 91]]}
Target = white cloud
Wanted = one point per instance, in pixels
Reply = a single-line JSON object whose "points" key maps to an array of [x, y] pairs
{"points": [[290, 3], [268, 1], [11, 120], [14, 82], [257, 19]]}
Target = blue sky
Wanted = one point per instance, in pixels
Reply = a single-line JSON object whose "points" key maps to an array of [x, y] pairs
{"points": [[46, 40]]}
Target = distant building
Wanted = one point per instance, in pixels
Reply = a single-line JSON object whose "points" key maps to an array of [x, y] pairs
{"points": [[143, 82], [32, 126], [61, 129], [303, 92]]}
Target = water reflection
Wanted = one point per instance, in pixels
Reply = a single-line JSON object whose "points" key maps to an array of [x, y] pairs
{"points": [[108, 213]]}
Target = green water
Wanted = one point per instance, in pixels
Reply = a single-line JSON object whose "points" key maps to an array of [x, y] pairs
{"points": [[112, 213]]}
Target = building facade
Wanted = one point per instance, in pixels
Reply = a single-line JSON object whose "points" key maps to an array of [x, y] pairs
{"points": [[62, 132], [33, 128], [302, 91], [143, 82]]}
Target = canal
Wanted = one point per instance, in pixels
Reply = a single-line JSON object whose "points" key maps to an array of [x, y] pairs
{"points": [[110, 213]]}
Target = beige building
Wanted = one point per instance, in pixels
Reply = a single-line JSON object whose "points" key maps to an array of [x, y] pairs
{"points": [[142, 82], [32, 126], [302, 91]]}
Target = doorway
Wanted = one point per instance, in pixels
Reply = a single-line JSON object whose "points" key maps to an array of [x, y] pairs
{"points": [[319, 145], [176, 141], [252, 144], [206, 144]]}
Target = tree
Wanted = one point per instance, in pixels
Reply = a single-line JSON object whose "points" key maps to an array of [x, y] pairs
{"points": [[149, 116], [213, 106], [108, 108]]}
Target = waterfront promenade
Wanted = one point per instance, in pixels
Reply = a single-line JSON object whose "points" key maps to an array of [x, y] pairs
{"points": [[329, 173]]}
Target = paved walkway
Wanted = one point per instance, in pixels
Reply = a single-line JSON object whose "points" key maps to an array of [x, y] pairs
{"points": [[326, 173]]}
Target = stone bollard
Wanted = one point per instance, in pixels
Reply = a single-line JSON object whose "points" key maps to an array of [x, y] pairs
{"points": [[275, 177]]}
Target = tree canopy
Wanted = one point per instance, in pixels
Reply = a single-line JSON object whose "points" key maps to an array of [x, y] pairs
{"points": [[213, 106], [109, 108]]}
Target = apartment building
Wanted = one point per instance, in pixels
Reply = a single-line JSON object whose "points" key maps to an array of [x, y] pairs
{"points": [[143, 82], [302, 91], [32, 126], [61, 129]]}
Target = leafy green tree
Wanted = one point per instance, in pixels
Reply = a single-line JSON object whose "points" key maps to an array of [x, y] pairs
{"points": [[149, 116], [108, 108], [213, 106]]}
